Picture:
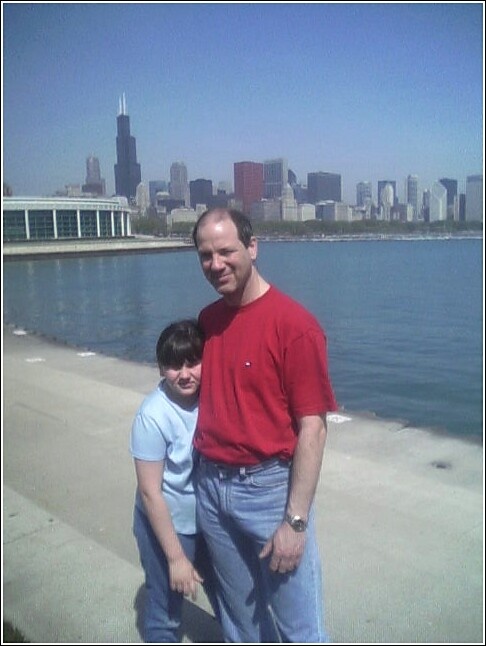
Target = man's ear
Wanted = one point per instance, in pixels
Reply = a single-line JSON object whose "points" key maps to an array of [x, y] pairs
{"points": [[253, 248]]}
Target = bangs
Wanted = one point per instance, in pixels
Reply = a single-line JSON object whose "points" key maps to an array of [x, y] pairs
{"points": [[180, 343], [177, 352]]}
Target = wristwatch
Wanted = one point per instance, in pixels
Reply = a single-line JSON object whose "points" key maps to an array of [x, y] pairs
{"points": [[297, 523]]}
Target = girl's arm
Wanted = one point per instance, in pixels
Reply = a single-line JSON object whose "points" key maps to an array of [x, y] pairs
{"points": [[182, 574]]}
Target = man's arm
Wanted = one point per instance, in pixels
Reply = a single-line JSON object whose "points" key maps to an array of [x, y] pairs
{"points": [[286, 546]]}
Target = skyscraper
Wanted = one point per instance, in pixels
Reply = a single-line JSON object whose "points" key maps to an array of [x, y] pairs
{"points": [[412, 196], [387, 199], [93, 174], [94, 182], [363, 193], [462, 207], [248, 178], [289, 204], [438, 202], [201, 192], [127, 171], [474, 198], [452, 199], [179, 186], [323, 186], [381, 185], [155, 186], [275, 178]]}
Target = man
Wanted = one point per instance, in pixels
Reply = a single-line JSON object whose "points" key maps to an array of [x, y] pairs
{"points": [[265, 392]]}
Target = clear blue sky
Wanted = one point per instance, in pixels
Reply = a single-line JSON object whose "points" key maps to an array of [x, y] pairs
{"points": [[370, 91]]}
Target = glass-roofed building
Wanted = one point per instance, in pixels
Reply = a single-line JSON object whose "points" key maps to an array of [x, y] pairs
{"points": [[64, 218]]}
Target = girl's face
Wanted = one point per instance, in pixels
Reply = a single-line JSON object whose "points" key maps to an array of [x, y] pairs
{"points": [[182, 384]]}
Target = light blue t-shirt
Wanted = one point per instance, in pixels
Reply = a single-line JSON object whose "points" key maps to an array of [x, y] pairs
{"points": [[162, 430]]}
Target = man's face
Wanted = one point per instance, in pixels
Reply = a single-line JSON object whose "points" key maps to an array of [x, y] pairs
{"points": [[225, 261]]}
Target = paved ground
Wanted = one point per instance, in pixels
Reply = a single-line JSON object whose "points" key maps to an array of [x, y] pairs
{"points": [[400, 513]]}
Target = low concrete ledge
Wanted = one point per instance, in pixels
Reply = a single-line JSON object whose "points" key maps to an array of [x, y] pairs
{"points": [[92, 247]]}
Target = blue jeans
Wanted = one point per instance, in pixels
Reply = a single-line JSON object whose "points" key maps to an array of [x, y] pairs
{"points": [[163, 606], [238, 511]]}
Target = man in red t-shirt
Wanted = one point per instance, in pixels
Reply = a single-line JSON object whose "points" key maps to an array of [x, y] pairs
{"points": [[261, 431]]}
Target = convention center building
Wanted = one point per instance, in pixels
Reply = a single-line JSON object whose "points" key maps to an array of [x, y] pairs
{"points": [[64, 218]]}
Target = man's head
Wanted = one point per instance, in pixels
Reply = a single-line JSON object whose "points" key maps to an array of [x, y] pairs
{"points": [[227, 249], [241, 222]]}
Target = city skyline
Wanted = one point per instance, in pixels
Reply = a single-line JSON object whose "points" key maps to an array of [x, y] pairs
{"points": [[365, 91]]}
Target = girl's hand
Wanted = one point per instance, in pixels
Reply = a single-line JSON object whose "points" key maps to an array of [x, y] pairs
{"points": [[184, 577]]}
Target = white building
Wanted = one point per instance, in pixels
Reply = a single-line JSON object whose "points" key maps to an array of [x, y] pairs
{"points": [[142, 198], [331, 211], [289, 204], [266, 210], [182, 215], [59, 218], [387, 199], [306, 212], [437, 202]]}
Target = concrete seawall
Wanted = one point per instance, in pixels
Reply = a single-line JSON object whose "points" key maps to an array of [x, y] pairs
{"points": [[91, 247], [399, 513]]}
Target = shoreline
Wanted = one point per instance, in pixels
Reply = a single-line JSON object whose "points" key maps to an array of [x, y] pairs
{"points": [[35, 250], [30, 250], [367, 415], [373, 237]]}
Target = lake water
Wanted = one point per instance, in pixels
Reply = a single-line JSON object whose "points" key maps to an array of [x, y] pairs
{"points": [[404, 318]]}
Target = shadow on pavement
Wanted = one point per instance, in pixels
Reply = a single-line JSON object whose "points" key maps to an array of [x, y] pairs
{"points": [[198, 626]]}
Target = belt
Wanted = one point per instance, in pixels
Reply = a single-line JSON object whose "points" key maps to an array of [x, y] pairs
{"points": [[229, 470]]}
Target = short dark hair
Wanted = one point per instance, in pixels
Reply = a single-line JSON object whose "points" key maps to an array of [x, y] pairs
{"points": [[240, 220], [179, 343]]}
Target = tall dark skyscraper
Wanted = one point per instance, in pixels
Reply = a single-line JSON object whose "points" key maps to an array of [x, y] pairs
{"points": [[323, 186], [127, 172], [451, 188], [201, 192]]}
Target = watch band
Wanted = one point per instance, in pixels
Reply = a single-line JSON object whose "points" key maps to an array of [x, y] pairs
{"points": [[297, 523]]}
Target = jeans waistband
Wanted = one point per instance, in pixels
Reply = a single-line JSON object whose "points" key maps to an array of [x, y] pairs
{"points": [[229, 470]]}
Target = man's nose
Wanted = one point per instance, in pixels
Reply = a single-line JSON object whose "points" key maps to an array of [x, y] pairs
{"points": [[217, 262]]}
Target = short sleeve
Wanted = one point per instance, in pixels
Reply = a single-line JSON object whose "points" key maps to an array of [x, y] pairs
{"points": [[147, 441], [306, 374]]}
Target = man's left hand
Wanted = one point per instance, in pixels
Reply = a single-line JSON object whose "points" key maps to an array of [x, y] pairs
{"points": [[285, 547]]}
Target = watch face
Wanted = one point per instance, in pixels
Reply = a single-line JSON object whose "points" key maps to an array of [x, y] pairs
{"points": [[298, 524]]}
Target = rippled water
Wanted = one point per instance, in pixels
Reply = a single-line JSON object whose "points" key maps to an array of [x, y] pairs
{"points": [[404, 319]]}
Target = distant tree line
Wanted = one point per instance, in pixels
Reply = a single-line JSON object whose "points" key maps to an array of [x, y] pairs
{"points": [[157, 227]]}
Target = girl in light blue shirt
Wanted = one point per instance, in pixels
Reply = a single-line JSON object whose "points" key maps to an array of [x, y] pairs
{"points": [[172, 551]]}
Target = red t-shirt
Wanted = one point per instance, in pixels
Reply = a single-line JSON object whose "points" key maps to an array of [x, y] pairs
{"points": [[264, 366]]}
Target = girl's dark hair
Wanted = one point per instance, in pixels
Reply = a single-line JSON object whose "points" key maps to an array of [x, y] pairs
{"points": [[240, 220], [179, 343]]}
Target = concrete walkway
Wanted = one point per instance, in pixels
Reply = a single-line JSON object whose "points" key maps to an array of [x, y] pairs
{"points": [[400, 513]]}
